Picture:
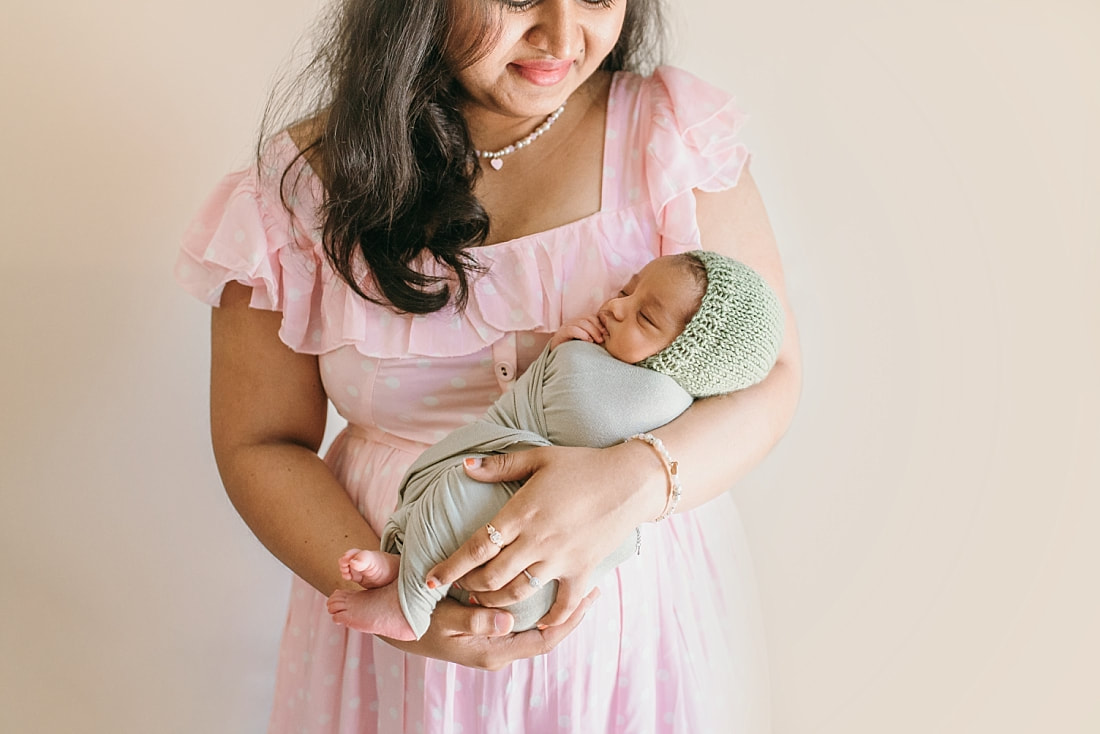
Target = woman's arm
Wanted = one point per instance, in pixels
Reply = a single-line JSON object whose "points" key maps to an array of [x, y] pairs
{"points": [[267, 419], [720, 439], [267, 415], [578, 504]]}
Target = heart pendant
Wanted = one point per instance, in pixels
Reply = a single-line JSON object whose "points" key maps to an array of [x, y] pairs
{"points": [[496, 163]]}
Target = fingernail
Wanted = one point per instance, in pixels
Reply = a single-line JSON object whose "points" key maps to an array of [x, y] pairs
{"points": [[540, 627], [432, 582], [500, 622], [474, 601], [472, 462]]}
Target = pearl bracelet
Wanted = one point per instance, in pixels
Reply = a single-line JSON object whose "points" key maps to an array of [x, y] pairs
{"points": [[671, 470]]}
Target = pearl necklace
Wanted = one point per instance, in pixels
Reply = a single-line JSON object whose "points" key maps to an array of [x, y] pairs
{"points": [[496, 155]]}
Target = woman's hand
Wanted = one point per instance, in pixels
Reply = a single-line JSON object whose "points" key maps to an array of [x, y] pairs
{"points": [[577, 506], [482, 637]]}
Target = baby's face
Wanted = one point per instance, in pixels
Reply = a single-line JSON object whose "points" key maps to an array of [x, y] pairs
{"points": [[650, 311]]}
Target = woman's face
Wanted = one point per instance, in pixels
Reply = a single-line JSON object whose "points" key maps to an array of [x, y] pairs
{"points": [[544, 51]]}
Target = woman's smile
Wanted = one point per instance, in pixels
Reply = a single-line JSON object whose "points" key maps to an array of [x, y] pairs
{"points": [[542, 72]]}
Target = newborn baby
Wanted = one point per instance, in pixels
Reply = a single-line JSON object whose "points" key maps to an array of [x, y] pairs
{"points": [[685, 326]]}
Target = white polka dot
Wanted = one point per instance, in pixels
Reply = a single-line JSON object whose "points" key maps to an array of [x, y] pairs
{"points": [[393, 713], [431, 401], [634, 193], [294, 294], [669, 717], [437, 713], [239, 235], [353, 391], [316, 335], [292, 667], [335, 639], [458, 728], [353, 704], [486, 361], [536, 701], [489, 289], [616, 259], [564, 721], [367, 365], [482, 710], [458, 383], [612, 133], [517, 315], [371, 669], [373, 706], [393, 383], [324, 719], [423, 363], [608, 172], [353, 663], [330, 680], [395, 671], [563, 674], [623, 681], [663, 675], [296, 631], [527, 340]]}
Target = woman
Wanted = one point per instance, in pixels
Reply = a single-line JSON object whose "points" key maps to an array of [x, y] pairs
{"points": [[474, 176]]}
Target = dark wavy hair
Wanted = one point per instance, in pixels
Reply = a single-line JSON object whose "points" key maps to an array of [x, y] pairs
{"points": [[384, 133]]}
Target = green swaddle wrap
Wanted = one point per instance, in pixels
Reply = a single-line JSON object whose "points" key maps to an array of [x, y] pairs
{"points": [[575, 395]]}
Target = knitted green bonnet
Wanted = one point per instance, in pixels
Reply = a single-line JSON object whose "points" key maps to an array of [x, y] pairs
{"points": [[733, 340]]}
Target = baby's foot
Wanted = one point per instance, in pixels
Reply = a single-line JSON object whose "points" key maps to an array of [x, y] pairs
{"points": [[369, 569], [375, 611]]}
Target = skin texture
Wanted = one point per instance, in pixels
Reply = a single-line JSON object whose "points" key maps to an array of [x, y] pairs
{"points": [[268, 407]]}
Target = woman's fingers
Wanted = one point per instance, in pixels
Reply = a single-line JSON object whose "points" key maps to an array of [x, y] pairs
{"points": [[454, 619], [480, 638], [486, 543], [479, 548], [513, 467], [540, 640], [522, 585], [568, 598]]}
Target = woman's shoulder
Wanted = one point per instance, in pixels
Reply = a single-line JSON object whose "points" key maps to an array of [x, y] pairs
{"points": [[670, 88]]}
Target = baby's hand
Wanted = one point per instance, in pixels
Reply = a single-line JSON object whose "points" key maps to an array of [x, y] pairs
{"points": [[586, 328]]}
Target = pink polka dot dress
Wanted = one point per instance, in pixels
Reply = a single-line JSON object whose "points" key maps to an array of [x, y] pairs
{"points": [[674, 643]]}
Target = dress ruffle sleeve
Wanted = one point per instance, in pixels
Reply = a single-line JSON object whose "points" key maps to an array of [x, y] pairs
{"points": [[693, 144], [243, 233]]}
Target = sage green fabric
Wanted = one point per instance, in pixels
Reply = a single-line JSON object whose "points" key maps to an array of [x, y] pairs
{"points": [[733, 340], [575, 395]]}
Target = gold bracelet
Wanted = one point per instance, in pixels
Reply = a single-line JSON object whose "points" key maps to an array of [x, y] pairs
{"points": [[671, 471]]}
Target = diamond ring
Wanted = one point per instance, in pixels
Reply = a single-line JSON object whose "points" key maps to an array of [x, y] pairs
{"points": [[533, 580], [494, 536]]}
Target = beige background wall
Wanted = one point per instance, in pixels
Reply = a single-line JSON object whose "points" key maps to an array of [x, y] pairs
{"points": [[925, 537]]}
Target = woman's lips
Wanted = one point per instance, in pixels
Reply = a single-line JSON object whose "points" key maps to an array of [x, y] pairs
{"points": [[544, 73]]}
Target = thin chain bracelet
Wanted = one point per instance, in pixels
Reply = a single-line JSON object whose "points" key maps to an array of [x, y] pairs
{"points": [[671, 470]]}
